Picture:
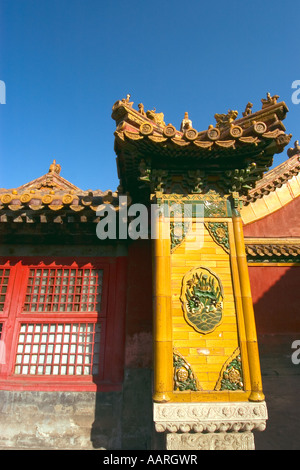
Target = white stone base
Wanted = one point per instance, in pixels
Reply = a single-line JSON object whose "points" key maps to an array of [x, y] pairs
{"points": [[210, 426], [210, 441]]}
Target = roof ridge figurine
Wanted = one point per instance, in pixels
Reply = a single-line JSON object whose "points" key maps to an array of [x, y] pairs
{"points": [[54, 168], [270, 100], [226, 119], [293, 151], [186, 123], [248, 109]]}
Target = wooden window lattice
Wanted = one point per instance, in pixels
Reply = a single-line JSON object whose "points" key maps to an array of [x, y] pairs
{"points": [[56, 320], [63, 290], [58, 349], [4, 276]]}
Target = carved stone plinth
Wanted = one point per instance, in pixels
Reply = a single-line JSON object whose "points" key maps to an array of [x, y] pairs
{"points": [[208, 426], [210, 441]]}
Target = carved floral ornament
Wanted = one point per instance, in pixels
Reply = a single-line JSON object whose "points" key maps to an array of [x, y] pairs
{"points": [[230, 378], [184, 377], [219, 232], [210, 417], [231, 375]]}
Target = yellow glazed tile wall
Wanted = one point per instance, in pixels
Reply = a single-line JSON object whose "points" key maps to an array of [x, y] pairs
{"points": [[206, 353]]}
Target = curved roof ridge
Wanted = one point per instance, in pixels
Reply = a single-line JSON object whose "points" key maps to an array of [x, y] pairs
{"points": [[275, 178], [277, 188]]}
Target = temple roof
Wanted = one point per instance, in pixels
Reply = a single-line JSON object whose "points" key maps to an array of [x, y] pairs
{"points": [[53, 192], [144, 142], [50, 181], [50, 210]]}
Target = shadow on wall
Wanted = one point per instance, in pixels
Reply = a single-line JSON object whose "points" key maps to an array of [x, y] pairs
{"points": [[123, 420], [275, 292]]}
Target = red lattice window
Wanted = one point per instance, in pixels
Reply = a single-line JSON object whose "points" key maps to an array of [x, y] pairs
{"points": [[58, 349], [4, 277], [63, 290], [55, 324]]}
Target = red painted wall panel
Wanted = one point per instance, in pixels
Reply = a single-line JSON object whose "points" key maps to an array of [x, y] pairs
{"points": [[283, 223], [276, 296]]}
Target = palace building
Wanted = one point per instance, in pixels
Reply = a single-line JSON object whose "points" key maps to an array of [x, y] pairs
{"points": [[152, 343]]}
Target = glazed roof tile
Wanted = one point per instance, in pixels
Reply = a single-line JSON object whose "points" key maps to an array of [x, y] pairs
{"points": [[52, 193], [229, 144], [275, 178], [272, 249]]}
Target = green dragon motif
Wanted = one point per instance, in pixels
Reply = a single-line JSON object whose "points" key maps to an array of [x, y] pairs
{"points": [[203, 300]]}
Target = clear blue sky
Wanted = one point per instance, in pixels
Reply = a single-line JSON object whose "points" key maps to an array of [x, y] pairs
{"points": [[65, 63]]}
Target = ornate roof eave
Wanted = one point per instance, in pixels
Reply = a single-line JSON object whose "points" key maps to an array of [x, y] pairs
{"points": [[273, 250], [52, 191], [53, 201], [62, 217], [232, 144], [274, 179], [13, 202], [140, 131]]}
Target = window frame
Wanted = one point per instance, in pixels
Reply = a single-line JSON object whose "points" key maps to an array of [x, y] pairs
{"points": [[111, 317]]}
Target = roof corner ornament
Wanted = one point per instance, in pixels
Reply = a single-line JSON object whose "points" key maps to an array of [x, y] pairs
{"points": [[226, 119], [294, 151], [54, 168], [269, 101], [248, 109], [158, 118], [127, 100], [141, 109], [186, 123]]}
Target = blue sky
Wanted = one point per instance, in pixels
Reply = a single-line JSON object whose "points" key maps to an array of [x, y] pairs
{"points": [[65, 63]]}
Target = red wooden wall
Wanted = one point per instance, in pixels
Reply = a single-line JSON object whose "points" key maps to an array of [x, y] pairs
{"points": [[276, 289]]}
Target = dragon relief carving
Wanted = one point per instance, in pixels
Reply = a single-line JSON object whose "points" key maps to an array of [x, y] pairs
{"points": [[202, 299]]}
